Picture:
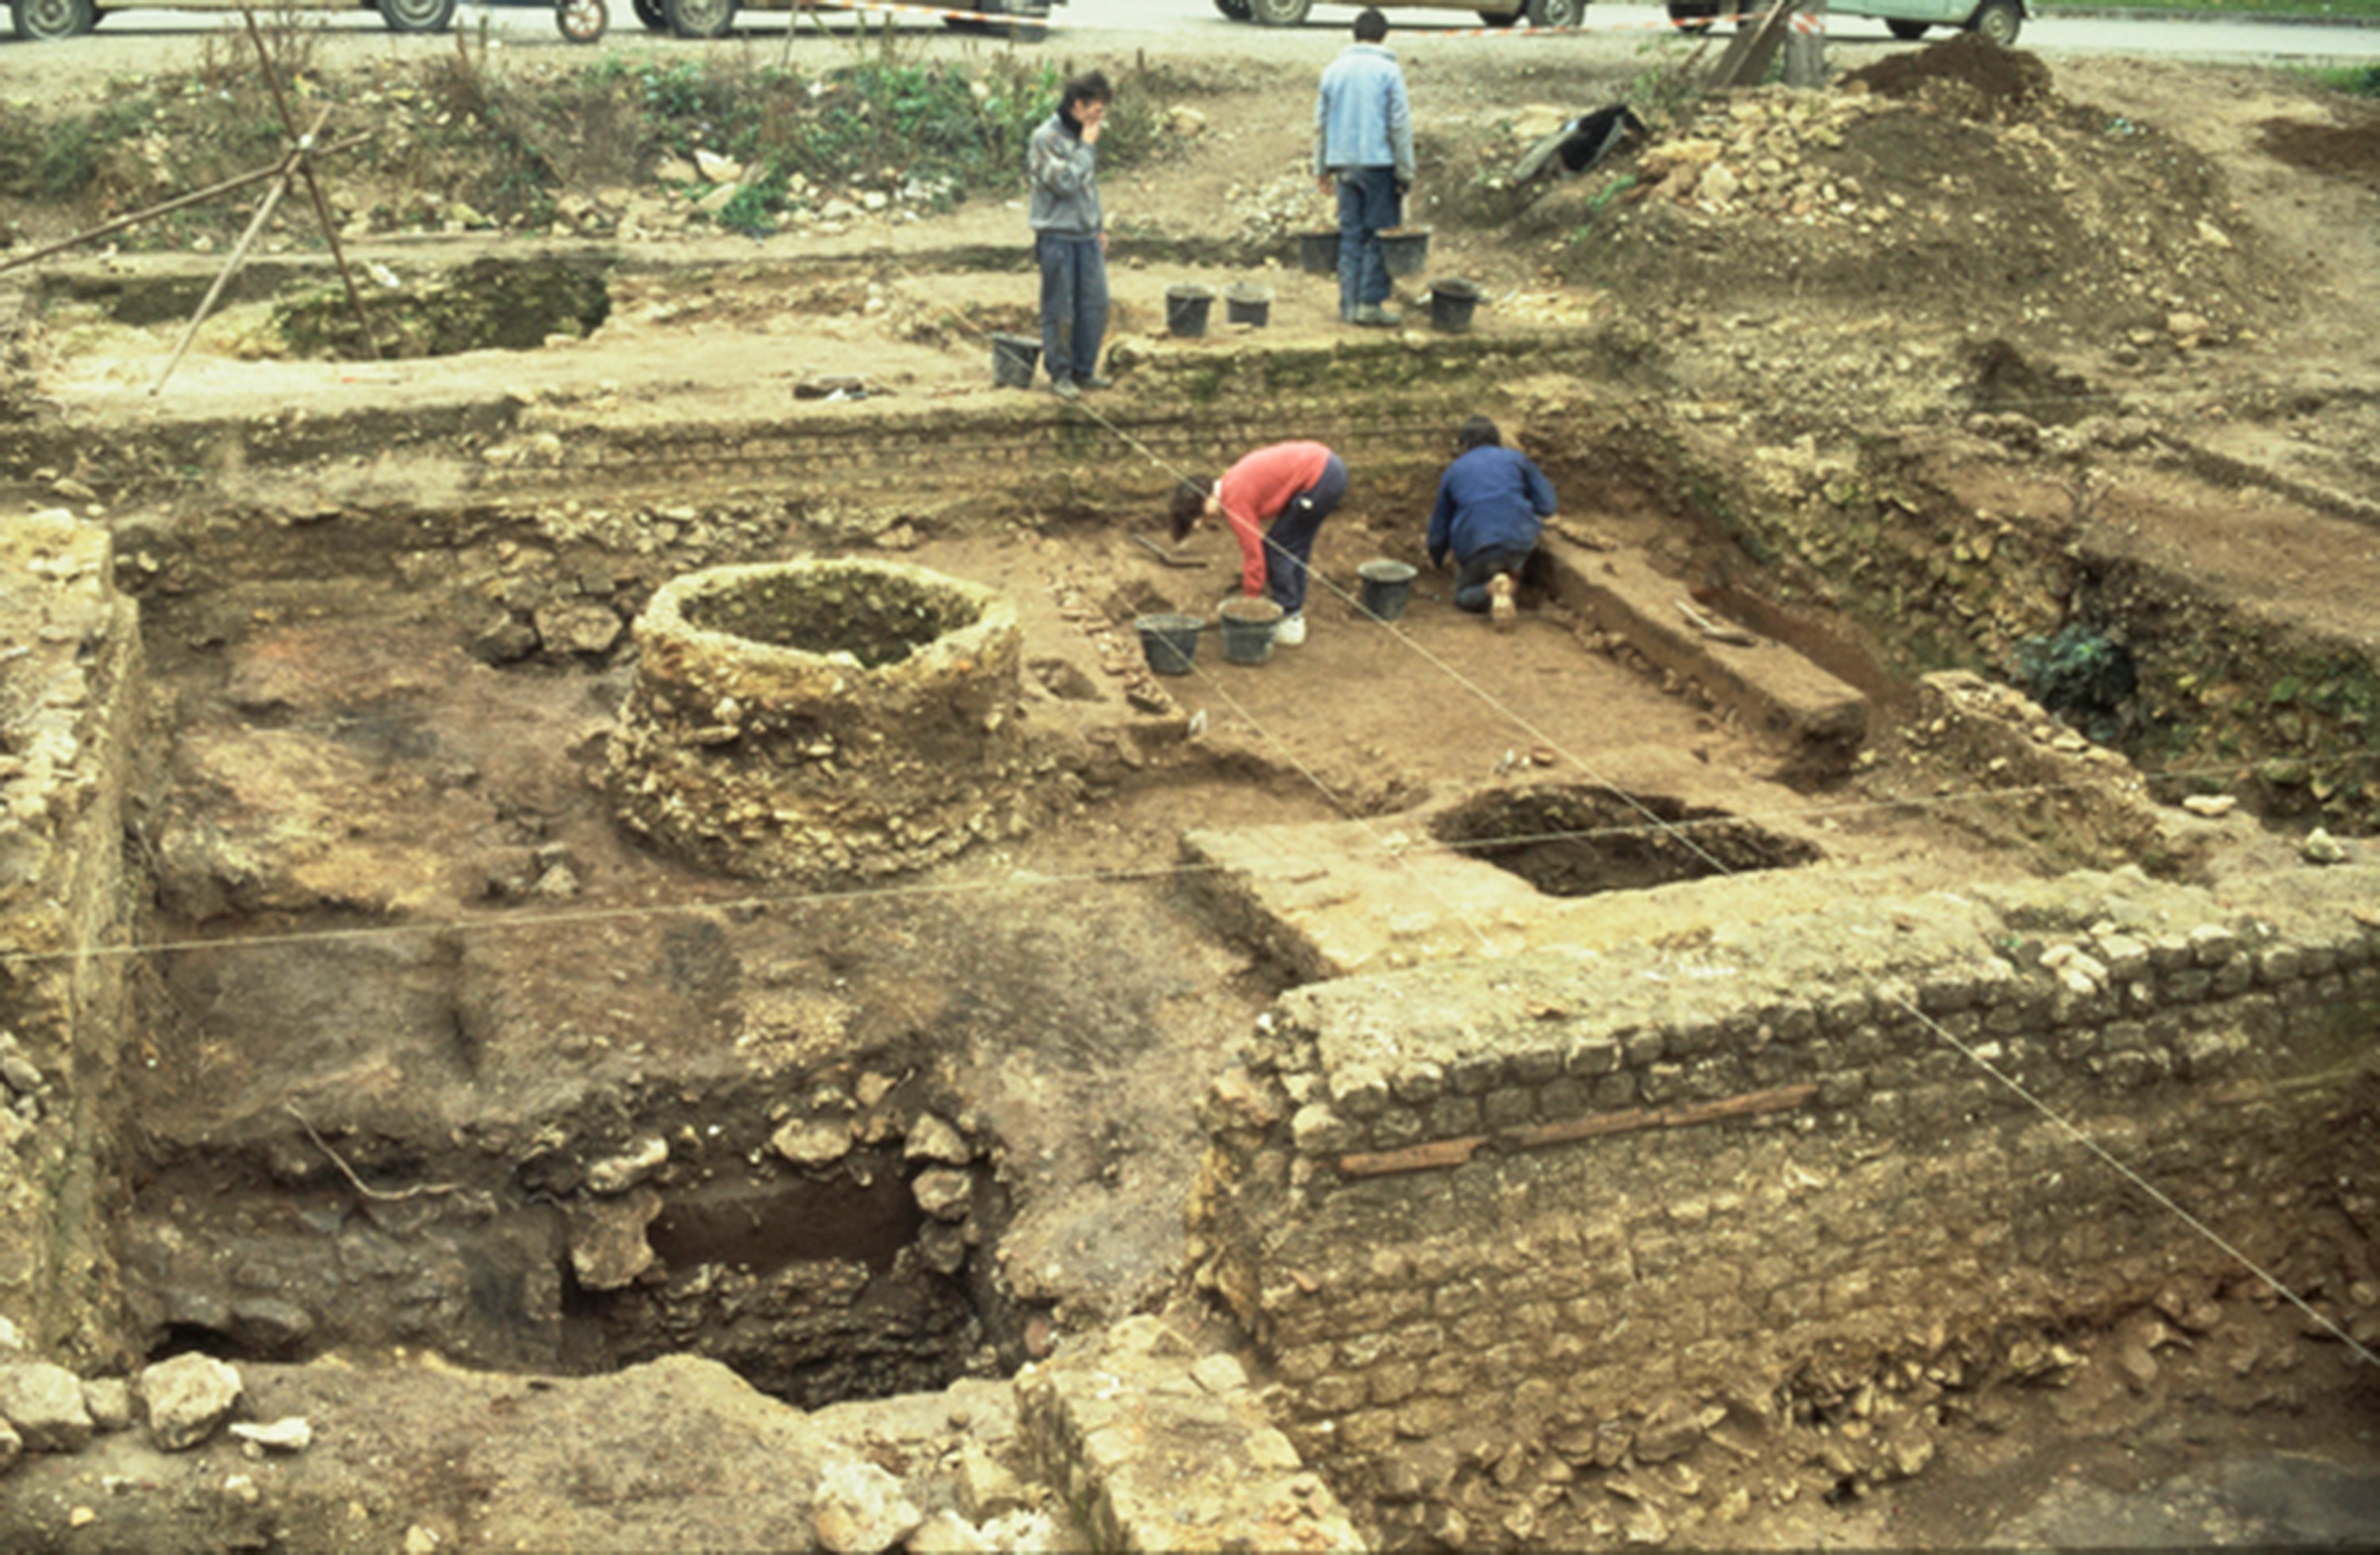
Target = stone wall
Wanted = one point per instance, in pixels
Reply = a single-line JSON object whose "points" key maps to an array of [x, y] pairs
{"points": [[69, 662], [1570, 1209]]}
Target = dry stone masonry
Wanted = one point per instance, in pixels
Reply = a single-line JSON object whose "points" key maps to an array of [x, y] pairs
{"points": [[820, 721], [67, 701]]}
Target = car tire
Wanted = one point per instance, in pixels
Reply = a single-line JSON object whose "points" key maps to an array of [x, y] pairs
{"points": [[416, 16], [1234, 10], [583, 21], [1557, 13], [699, 19], [1998, 21], [46, 21], [1693, 16], [1907, 31], [649, 13], [1501, 18], [1278, 13]]}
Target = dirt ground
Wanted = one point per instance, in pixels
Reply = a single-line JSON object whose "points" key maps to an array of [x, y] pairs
{"points": [[2195, 244]]}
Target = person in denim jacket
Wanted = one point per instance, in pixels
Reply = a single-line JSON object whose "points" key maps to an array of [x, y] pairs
{"points": [[1362, 143]]}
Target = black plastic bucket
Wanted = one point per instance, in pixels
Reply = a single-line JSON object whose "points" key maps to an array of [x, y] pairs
{"points": [[1317, 252], [1013, 358], [1405, 252], [1388, 588], [1247, 629], [1246, 304], [1451, 303], [1170, 641], [1186, 311]]}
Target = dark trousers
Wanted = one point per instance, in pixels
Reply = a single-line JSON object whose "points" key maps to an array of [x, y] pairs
{"points": [[1289, 544], [1369, 205], [1074, 303], [1471, 578]]}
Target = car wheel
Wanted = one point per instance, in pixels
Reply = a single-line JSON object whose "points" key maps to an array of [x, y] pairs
{"points": [[1692, 16], [1907, 31], [1235, 10], [1998, 21], [651, 14], [583, 21], [1557, 13], [699, 19], [48, 20], [416, 16], [1278, 13], [1501, 19]]}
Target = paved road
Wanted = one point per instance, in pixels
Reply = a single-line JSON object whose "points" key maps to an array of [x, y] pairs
{"points": [[1610, 26]]}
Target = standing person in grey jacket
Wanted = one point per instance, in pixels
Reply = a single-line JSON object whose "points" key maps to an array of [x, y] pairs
{"points": [[1070, 236], [1363, 138]]}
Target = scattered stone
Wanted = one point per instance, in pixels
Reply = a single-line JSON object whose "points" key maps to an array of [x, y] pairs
{"points": [[577, 627], [812, 1141], [2210, 805], [1673, 1430], [944, 1194], [44, 1404], [1219, 1374], [290, 1434], [12, 1447], [985, 1487], [2321, 848], [717, 169], [615, 1174], [109, 1400], [931, 1139], [608, 1249], [188, 1398], [946, 1533], [858, 1509]]}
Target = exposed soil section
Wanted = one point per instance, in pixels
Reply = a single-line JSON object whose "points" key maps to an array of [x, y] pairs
{"points": [[436, 1054]]}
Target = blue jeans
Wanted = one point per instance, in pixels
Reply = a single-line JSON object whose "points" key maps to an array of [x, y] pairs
{"points": [[1369, 205], [1289, 544], [1074, 303], [1471, 578]]}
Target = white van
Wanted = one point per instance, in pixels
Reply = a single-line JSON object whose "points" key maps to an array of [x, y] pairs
{"points": [[1998, 20], [1495, 13], [45, 20]]}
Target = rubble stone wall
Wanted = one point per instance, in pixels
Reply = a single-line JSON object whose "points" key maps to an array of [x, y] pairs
{"points": [[1575, 1206], [68, 698]]}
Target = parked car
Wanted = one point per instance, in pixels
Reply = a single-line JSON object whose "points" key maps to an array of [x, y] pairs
{"points": [[45, 20], [712, 18], [1998, 20], [1537, 13]]}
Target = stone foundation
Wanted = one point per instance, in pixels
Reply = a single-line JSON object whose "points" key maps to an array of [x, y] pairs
{"points": [[820, 721], [67, 711], [1571, 1213]]}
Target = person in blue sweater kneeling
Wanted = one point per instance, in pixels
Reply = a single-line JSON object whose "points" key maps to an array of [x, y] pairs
{"points": [[1492, 505]]}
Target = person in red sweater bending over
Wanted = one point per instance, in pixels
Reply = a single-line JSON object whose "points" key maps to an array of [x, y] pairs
{"points": [[1274, 500]]}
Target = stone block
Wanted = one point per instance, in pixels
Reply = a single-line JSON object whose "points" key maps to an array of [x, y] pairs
{"points": [[45, 1403]]}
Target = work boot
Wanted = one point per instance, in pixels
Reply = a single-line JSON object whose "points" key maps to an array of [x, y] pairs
{"points": [[1064, 388], [1290, 630], [1501, 614], [1096, 380], [1372, 315]]}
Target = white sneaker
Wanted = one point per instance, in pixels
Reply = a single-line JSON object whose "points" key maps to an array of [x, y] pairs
{"points": [[1290, 630]]}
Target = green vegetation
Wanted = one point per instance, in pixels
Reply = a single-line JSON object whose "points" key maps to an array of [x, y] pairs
{"points": [[500, 143]]}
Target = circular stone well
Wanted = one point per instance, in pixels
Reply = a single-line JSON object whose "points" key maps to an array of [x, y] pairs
{"points": [[820, 721]]}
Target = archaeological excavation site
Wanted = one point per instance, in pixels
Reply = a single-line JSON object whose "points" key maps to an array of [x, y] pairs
{"points": [[609, 940]]}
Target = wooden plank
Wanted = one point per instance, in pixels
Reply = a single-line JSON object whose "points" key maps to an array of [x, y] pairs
{"points": [[1439, 1153]]}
